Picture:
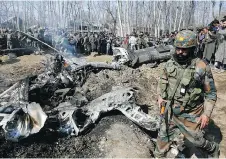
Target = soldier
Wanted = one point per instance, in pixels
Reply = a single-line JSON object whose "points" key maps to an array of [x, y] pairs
{"points": [[29, 40], [171, 38], [9, 39], [141, 41], [41, 32], [92, 42], [96, 42], [2, 39], [187, 88], [86, 44], [35, 43]]}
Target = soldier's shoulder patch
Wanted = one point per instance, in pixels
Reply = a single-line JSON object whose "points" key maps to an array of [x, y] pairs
{"points": [[201, 64]]}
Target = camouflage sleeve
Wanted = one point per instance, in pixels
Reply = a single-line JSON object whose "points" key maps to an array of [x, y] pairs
{"points": [[162, 85], [210, 92]]}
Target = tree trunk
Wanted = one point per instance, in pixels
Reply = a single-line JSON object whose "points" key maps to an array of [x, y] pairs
{"points": [[136, 13], [213, 5], [119, 16], [127, 9], [170, 20], [155, 26], [220, 7], [182, 10], [175, 22]]}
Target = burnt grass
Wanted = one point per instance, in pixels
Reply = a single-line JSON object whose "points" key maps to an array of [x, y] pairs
{"points": [[50, 144]]}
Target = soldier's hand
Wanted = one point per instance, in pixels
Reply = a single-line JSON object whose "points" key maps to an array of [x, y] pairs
{"points": [[204, 120], [160, 100]]}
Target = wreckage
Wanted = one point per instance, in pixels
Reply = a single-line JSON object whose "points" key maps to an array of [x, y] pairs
{"points": [[54, 98], [134, 58], [23, 106], [18, 51], [54, 101]]}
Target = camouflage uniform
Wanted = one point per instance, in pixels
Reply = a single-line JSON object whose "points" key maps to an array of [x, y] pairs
{"points": [[9, 40], [87, 45], [194, 96], [29, 40], [141, 42], [35, 43]]}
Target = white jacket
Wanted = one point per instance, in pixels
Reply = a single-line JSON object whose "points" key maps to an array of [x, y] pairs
{"points": [[133, 40]]}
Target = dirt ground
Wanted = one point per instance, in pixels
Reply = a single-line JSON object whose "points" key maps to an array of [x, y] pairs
{"points": [[19, 68], [219, 113], [95, 57], [113, 135]]}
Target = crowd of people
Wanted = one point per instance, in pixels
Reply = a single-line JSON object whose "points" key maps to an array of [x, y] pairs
{"points": [[77, 43], [9, 39], [212, 44], [211, 41], [85, 43]]}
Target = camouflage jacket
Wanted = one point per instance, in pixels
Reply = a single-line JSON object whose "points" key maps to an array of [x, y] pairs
{"points": [[196, 87]]}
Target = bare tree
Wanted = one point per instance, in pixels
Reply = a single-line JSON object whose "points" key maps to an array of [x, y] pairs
{"points": [[182, 10], [220, 7], [175, 22], [213, 5]]}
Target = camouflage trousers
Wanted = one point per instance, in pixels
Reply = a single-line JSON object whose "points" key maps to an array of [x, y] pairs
{"points": [[9, 45], [184, 124]]}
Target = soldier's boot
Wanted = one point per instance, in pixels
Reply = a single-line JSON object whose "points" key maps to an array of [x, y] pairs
{"points": [[212, 148], [215, 153]]}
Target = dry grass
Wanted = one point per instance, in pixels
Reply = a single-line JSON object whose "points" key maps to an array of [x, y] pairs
{"points": [[94, 57]]}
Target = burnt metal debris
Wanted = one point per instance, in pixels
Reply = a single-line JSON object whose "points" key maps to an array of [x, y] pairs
{"points": [[18, 51], [54, 96], [134, 58]]}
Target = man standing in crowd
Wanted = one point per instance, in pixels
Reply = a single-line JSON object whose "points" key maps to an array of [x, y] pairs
{"points": [[125, 42], [209, 42], [141, 41], [9, 39], [132, 42], [92, 42], [220, 56]]}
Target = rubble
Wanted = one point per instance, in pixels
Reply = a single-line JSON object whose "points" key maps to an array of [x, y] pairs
{"points": [[60, 83], [70, 100], [77, 101], [121, 99]]}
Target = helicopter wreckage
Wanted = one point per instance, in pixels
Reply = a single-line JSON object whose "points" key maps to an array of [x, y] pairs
{"points": [[55, 97], [21, 106]]}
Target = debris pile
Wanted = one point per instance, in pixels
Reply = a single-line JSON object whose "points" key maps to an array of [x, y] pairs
{"points": [[91, 105], [67, 96]]}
